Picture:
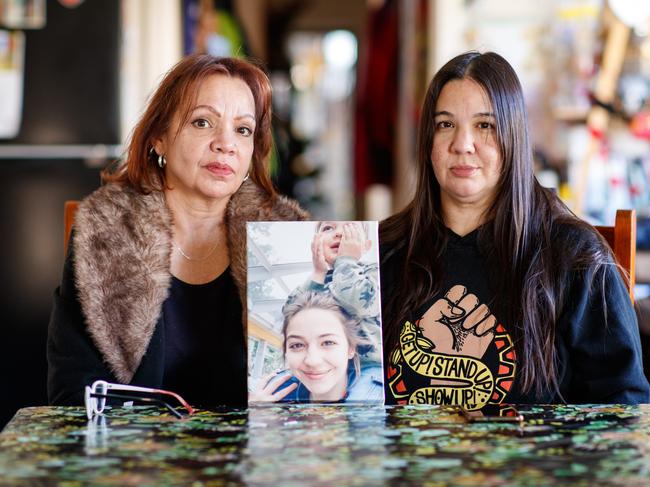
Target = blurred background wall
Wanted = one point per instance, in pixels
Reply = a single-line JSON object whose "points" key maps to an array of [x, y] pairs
{"points": [[348, 78]]}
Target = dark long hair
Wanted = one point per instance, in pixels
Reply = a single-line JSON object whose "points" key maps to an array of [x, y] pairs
{"points": [[519, 238], [177, 93]]}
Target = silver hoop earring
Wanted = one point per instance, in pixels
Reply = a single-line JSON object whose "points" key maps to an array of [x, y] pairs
{"points": [[162, 162], [246, 178]]}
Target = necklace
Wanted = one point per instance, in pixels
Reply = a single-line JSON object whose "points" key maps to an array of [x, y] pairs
{"points": [[195, 259]]}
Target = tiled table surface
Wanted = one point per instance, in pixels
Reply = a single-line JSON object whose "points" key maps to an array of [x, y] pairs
{"points": [[334, 445]]}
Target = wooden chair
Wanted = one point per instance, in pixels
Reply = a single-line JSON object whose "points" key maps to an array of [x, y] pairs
{"points": [[622, 239], [69, 211]]}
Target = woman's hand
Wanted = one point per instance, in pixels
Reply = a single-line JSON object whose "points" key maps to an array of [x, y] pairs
{"points": [[271, 392]]}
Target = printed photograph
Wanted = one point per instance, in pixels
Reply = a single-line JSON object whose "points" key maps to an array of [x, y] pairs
{"points": [[314, 312]]}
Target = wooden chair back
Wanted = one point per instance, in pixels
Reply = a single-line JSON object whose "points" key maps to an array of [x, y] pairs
{"points": [[69, 211], [622, 239]]}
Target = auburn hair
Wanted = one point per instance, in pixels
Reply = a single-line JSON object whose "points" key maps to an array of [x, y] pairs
{"points": [[177, 94]]}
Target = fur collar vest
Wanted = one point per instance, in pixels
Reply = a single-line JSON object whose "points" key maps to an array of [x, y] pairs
{"points": [[122, 252]]}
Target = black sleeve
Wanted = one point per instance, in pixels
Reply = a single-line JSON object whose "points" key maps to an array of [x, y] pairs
{"points": [[600, 344], [73, 361]]}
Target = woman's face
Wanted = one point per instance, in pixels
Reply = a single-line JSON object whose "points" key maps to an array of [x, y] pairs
{"points": [[213, 150], [466, 157], [318, 352]]}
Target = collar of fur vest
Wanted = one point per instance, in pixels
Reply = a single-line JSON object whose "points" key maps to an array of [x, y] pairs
{"points": [[122, 251]]}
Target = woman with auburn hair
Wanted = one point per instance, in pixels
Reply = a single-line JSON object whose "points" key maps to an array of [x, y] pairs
{"points": [[153, 289], [496, 292]]}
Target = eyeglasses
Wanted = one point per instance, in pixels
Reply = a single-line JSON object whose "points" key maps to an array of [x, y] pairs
{"points": [[95, 397]]}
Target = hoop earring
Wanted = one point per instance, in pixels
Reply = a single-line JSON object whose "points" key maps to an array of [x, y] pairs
{"points": [[162, 162], [246, 178]]}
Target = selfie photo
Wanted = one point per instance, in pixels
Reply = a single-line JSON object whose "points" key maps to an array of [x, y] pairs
{"points": [[314, 324]]}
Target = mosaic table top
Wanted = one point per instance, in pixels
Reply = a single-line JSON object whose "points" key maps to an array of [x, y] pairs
{"points": [[337, 445]]}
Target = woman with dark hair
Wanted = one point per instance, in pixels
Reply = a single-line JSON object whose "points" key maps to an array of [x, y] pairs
{"points": [[496, 292], [153, 290]]}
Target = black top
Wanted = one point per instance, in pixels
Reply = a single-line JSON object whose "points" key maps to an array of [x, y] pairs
{"points": [[204, 343], [74, 360], [454, 349]]}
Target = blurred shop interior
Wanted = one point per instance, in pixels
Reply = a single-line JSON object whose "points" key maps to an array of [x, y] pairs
{"points": [[348, 79]]}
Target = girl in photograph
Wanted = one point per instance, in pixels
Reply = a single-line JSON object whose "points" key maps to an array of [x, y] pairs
{"points": [[321, 352]]}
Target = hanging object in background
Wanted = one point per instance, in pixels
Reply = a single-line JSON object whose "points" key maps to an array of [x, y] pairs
{"points": [[12, 57], [376, 100], [606, 81], [634, 88], [22, 14]]}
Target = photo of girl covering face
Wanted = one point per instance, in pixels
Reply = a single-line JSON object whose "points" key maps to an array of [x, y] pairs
{"points": [[314, 327]]}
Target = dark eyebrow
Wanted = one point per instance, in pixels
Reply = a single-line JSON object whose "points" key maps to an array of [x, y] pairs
{"points": [[208, 107], [480, 114]]}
